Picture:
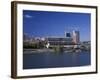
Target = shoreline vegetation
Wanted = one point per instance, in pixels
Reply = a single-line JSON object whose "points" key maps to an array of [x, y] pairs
{"points": [[55, 50]]}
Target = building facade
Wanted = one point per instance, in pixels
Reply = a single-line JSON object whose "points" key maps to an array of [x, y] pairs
{"points": [[71, 38], [76, 37]]}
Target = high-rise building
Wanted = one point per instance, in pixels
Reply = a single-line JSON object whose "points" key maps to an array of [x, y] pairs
{"points": [[76, 37], [67, 34]]}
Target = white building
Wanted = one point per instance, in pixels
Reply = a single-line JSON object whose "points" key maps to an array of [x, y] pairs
{"points": [[76, 37]]}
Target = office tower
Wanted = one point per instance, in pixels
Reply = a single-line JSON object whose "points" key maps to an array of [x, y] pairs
{"points": [[76, 37]]}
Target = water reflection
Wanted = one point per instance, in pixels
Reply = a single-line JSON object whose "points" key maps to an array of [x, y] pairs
{"points": [[52, 60]]}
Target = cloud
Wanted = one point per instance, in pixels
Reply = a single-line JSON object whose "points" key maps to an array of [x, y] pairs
{"points": [[28, 16]]}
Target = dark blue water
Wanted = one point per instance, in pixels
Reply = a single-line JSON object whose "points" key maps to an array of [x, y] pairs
{"points": [[53, 60]]}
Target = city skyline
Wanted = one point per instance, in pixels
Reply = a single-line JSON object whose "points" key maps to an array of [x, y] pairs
{"points": [[44, 23]]}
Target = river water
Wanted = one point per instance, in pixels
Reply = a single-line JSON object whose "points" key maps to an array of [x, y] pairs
{"points": [[53, 60]]}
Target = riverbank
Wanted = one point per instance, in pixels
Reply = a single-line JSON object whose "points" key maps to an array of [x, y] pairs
{"points": [[45, 50], [37, 50]]}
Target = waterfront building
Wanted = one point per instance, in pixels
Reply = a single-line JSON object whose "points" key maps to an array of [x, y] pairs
{"points": [[70, 39], [76, 37], [58, 41]]}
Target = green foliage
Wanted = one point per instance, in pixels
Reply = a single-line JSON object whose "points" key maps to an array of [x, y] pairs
{"points": [[34, 45], [58, 49]]}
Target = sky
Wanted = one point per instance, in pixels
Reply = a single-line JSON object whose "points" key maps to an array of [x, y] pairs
{"points": [[46, 23]]}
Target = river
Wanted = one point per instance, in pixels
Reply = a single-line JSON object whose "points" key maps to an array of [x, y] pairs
{"points": [[53, 60]]}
